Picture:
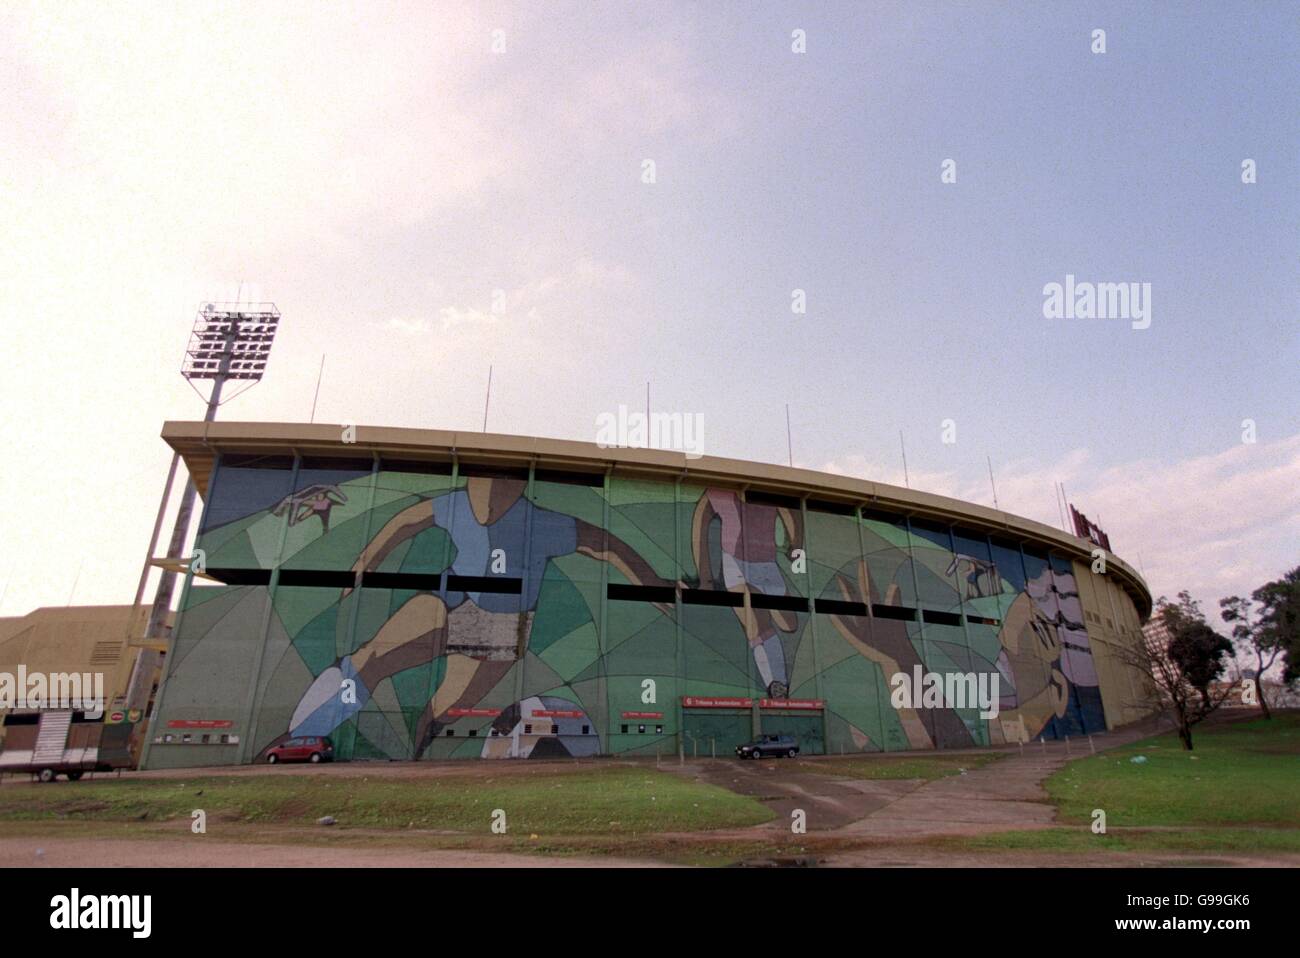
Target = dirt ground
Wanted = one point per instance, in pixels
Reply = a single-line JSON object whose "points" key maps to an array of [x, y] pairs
{"points": [[69, 852]]}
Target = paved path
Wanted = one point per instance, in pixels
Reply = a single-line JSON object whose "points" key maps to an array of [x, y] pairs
{"points": [[1002, 795]]}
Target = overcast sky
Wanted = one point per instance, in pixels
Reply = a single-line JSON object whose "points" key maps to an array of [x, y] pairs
{"points": [[379, 170]]}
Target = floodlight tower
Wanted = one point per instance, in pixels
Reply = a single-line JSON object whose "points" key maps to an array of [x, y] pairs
{"points": [[229, 341]]}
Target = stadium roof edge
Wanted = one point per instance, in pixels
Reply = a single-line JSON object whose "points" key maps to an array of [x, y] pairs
{"points": [[199, 443]]}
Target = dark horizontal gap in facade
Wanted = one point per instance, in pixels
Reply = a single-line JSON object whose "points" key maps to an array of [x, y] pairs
{"points": [[834, 508], [933, 528], [713, 597], [783, 603], [569, 478], [892, 518], [934, 617], [841, 607], [337, 463], [416, 581], [241, 460], [34, 718], [760, 498], [241, 576], [983, 620], [477, 471], [484, 583], [641, 593], [419, 467], [319, 578], [900, 612]]}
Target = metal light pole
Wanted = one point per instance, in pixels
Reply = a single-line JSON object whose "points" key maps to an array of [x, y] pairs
{"points": [[228, 342]]}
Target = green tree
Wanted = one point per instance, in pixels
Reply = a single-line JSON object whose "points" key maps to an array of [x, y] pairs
{"points": [[1279, 616], [1249, 631]]}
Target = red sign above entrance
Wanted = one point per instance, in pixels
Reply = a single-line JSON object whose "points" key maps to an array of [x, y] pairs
{"points": [[810, 704], [695, 702], [199, 723], [474, 713], [556, 713], [643, 715]]}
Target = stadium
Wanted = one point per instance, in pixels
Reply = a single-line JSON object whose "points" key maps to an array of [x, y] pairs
{"points": [[421, 594]]}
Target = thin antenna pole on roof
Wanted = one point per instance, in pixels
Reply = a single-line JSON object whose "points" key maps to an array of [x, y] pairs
{"points": [[789, 443], [1060, 510], [5, 591], [647, 406], [317, 395], [902, 445], [75, 581], [488, 400], [992, 483]]}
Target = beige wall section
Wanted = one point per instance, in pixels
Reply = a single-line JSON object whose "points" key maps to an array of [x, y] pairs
{"points": [[88, 638], [199, 443], [1114, 634]]}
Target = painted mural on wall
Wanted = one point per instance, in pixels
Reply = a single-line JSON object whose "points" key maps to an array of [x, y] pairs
{"points": [[509, 645]]}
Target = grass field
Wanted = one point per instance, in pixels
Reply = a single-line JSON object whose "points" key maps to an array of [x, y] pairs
{"points": [[613, 801], [1244, 773], [911, 766], [1237, 791]]}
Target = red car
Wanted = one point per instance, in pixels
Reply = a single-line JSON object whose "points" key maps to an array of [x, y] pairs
{"points": [[310, 748]]}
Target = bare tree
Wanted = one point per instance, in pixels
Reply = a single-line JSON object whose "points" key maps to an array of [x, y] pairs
{"points": [[1181, 659]]}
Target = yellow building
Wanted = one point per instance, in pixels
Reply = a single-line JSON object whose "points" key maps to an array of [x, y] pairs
{"points": [[98, 640]]}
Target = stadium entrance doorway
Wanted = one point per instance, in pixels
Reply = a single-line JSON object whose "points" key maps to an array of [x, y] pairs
{"points": [[710, 732]]}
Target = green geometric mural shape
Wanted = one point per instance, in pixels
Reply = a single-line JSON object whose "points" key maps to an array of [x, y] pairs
{"points": [[298, 606], [652, 650], [561, 608], [570, 655], [414, 687], [235, 552]]}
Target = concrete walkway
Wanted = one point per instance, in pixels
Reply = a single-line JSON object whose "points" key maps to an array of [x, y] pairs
{"points": [[1002, 795]]}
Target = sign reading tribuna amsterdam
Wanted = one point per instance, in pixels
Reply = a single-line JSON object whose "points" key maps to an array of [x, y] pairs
{"points": [[698, 702]]}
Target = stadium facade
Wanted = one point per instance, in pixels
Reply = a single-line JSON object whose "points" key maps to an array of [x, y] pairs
{"points": [[419, 594]]}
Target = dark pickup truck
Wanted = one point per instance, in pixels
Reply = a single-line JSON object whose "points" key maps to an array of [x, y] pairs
{"points": [[777, 745]]}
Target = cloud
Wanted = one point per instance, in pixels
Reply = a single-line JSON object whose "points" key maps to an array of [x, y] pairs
{"points": [[549, 296], [410, 325], [214, 119]]}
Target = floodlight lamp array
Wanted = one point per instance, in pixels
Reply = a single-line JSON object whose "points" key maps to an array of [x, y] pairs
{"points": [[231, 341]]}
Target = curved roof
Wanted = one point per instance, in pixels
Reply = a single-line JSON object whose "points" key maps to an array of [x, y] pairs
{"points": [[199, 443]]}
